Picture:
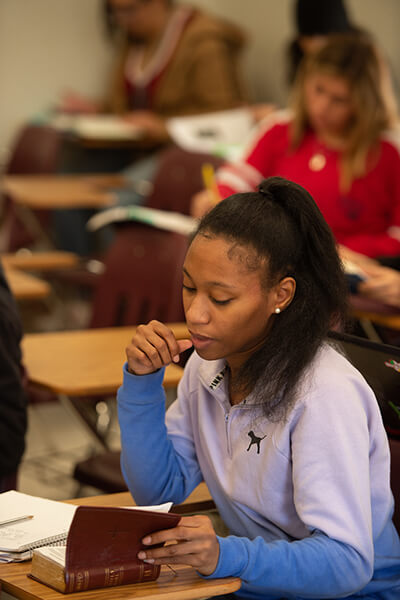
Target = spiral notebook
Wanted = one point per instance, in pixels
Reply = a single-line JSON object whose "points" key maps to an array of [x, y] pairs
{"points": [[49, 525]]}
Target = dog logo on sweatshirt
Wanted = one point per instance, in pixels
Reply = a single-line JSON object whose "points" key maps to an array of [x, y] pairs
{"points": [[255, 440]]}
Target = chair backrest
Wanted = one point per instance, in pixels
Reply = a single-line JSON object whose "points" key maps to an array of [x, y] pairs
{"points": [[380, 365], [142, 278], [36, 150], [395, 479], [178, 178]]}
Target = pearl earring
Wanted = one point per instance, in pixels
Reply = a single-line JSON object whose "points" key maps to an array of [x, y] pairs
{"points": [[277, 310]]}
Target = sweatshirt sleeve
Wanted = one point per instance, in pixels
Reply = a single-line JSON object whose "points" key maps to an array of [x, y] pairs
{"points": [[258, 159], [152, 469], [330, 449]]}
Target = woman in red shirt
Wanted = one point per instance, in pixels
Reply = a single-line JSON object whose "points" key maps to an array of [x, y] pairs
{"points": [[338, 142]]}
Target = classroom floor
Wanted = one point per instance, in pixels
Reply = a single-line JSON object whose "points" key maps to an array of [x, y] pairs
{"points": [[56, 440]]}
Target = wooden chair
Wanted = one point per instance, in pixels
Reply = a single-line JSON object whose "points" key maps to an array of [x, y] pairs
{"points": [[36, 150]]}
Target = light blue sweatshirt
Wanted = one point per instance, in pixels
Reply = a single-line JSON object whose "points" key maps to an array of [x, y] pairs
{"points": [[307, 500]]}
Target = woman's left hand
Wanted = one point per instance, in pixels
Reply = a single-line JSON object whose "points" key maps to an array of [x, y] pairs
{"points": [[193, 542], [152, 125]]}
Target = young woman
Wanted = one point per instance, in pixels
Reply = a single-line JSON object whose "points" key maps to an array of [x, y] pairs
{"points": [[284, 431], [336, 144]]}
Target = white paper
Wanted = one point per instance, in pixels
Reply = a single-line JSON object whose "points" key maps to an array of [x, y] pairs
{"points": [[50, 519], [222, 133]]}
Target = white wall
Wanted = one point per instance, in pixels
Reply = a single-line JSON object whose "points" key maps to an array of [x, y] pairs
{"points": [[48, 45]]}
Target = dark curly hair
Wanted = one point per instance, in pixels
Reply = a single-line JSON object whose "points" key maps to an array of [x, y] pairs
{"points": [[284, 226]]}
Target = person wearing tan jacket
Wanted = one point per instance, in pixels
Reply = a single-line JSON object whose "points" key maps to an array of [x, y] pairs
{"points": [[171, 60]]}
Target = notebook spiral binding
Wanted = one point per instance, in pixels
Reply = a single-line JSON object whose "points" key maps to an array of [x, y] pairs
{"points": [[54, 540]]}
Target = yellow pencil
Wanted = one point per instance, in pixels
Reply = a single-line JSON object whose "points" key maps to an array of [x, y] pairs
{"points": [[210, 184]]}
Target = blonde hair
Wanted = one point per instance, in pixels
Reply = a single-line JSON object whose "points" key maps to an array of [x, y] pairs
{"points": [[354, 58]]}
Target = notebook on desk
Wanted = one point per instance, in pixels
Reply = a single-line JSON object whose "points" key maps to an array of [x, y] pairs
{"points": [[49, 525], [380, 365]]}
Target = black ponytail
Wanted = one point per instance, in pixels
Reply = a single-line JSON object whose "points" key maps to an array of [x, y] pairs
{"points": [[282, 223]]}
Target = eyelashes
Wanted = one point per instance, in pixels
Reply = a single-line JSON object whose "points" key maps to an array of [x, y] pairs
{"points": [[192, 290]]}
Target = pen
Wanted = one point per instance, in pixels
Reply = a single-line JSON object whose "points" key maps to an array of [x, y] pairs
{"points": [[210, 184], [16, 520]]}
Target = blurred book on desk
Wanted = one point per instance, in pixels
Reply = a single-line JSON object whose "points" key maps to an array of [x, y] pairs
{"points": [[95, 127]]}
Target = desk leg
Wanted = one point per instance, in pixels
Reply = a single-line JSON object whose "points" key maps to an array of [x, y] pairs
{"points": [[33, 225], [70, 406]]}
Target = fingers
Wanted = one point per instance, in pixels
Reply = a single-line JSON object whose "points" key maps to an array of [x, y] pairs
{"points": [[153, 346], [201, 203], [193, 542], [183, 345]]}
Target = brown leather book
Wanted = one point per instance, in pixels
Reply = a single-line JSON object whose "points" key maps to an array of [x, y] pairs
{"points": [[101, 550]]}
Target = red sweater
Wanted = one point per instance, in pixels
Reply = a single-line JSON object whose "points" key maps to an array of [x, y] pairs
{"points": [[366, 219]]}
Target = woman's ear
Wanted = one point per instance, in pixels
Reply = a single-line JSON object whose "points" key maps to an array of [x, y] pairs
{"points": [[285, 291]]}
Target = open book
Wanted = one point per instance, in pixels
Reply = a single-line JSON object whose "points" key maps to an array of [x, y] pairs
{"points": [[49, 526], [97, 127], [101, 549], [221, 133]]}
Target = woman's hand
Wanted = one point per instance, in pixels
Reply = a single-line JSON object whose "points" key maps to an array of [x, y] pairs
{"points": [[193, 542], [152, 347], [261, 111], [201, 203], [383, 284], [153, 126], [73, 103]]}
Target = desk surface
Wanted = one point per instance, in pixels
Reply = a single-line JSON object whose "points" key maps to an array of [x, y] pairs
{"points": [[199, 500], [84, 363], [184, 585], [40, 261], [25, 286], [62, 191]]}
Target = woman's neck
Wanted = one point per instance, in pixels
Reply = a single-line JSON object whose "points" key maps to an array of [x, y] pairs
{"points": [[238, 391], [333, 141]]}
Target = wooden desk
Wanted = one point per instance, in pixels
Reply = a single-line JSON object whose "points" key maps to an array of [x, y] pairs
{"points": [[199, 500], [186, 584], [85, 363], [40, 261], [26, 287], [61, 191]]}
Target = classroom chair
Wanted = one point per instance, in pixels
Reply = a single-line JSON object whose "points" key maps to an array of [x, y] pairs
{"points": [[142, 280], [179, 178], [36, 150]]}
